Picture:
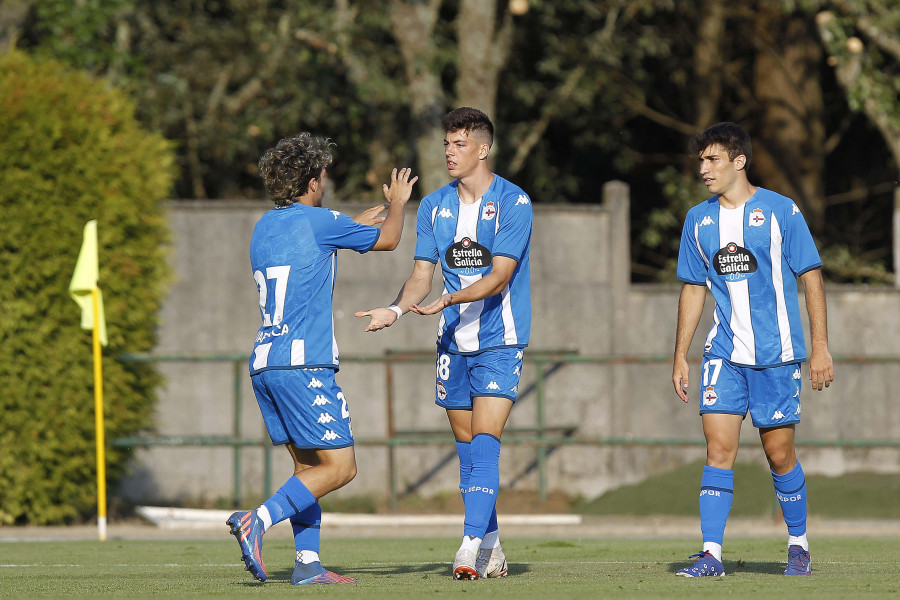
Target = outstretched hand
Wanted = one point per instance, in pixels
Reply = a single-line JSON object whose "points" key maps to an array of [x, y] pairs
{"points": [[433, 308], [379, 318], [400, 187], [370, 215]]}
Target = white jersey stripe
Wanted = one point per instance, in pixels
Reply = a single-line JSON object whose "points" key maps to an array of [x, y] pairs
{"points": [[731, 229], [784, 326], [469, 319], [509, 324]]}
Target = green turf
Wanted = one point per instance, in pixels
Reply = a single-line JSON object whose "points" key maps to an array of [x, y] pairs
{"points": [[419, 568], [857, 495]]}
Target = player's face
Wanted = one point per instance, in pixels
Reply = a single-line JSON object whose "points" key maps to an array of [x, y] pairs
{"points": [[719, 172], [463, 152]]}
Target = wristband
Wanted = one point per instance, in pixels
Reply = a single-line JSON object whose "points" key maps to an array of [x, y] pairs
{"points": [[396, 309]]}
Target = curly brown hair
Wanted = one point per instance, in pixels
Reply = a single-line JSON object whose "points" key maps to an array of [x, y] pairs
{"points": [[288, 168]]}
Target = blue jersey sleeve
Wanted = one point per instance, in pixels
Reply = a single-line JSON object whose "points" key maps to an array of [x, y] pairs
{"points": [[691, 266], [335, 231], [426, 244], [799, 249], [514, 228]]}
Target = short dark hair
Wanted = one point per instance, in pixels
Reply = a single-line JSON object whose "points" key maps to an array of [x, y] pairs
{"points": [[288, 168], [470, 120], [731, 137]]}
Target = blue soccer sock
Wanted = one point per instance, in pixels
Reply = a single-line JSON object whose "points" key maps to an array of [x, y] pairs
{"points": [[307, 526], [790, 489], [291, 499], [464, 451], [484, 483], [716, 496]]}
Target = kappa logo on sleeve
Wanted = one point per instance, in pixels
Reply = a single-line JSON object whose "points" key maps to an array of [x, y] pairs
{"points": [[522, 199], [336, 214], [794, 209]]}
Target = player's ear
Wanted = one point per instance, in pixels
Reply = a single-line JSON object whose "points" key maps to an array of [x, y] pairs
{"points": [[483, 151], [740, 161]]}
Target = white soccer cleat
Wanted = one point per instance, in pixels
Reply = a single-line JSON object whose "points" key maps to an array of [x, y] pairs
{"points": [[464, 566], [491, 563]]}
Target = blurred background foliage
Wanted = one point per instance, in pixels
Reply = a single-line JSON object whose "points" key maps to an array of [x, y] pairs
{"points": [[581, 91], [72, 151]]}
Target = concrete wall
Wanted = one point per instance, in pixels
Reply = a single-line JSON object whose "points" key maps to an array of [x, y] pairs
{"points": [[583, 302]]}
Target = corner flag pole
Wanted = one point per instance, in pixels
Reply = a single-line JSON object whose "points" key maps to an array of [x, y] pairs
{"points": [[98, 421], [85, 290]]}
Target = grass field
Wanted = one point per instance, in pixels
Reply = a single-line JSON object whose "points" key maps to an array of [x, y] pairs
{"points": [[419, 568]]}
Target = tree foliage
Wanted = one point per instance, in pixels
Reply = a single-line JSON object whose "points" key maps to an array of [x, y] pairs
{"points": [[72, 151], [582, 91]]}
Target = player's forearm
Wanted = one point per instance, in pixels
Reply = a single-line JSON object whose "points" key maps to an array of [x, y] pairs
{"points": [[814, 287], [690, 309], [489, 285], [414, 291], [392, 228]]}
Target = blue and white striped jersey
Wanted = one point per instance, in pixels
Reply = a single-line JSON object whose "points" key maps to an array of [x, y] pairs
{"points": [[749, 257], [293, 256], [465, 238]]}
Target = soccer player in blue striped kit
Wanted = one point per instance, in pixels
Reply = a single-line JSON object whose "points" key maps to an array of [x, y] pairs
{"points": [[479, 228], [749, 246], [293, 257]]}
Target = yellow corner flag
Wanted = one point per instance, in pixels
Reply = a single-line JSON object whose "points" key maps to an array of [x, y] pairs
{"points": [[85, 282]]}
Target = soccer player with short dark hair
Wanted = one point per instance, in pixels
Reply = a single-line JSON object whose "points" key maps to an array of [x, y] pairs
{"points": [[478, 227], [749, 246], [293, 256]]}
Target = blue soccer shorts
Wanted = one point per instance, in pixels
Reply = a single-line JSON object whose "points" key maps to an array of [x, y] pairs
{"points": [[461, 377], [304, 407], [770, 394]]}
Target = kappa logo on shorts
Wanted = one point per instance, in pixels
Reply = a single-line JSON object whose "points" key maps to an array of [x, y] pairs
{"points": [[493, 386], [778, 415], [514, 389], [520, 354], [330, 436], [325, 419], [796, 374], [517, 370], [797, 412], [314, 383], [441, 391], [709, 396], [320, 400]]}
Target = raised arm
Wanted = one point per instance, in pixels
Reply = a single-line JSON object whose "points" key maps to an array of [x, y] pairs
{"points": [[396, 195], [690, 308], [416, 289], [821, 365], [502, 269]]}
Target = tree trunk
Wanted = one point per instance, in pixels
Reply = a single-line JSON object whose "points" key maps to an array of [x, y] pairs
{"points": [[789, 142], [412, 25]]}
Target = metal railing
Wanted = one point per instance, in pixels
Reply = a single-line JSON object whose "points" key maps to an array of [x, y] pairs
{"points": [[543, 437]]}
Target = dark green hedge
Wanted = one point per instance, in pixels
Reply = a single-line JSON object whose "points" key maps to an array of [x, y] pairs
{"points": [[71, 151]]}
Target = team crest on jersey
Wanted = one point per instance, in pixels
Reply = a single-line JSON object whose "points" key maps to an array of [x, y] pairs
{"points": [[756, 218], [709, 396], [467, 254], [488, 212], [734, 263], [441, 391]]}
